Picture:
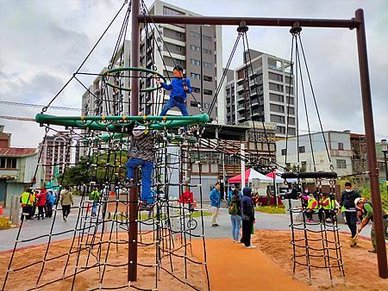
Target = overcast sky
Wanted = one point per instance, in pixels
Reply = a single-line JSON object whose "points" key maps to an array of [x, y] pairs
{"points": [[42, 42]]}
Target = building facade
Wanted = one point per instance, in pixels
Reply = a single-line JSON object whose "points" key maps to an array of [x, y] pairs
{"points": [[59, 151], [194, 47], [313, 155], [262, 91], [17, 169]]}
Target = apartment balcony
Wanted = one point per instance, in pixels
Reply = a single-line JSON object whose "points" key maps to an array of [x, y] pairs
{"points": [[240, 98], [241, 107], [254, 102], [241, 118], [240, 81], [240, 89]]}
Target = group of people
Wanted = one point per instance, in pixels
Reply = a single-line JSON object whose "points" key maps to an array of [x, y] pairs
{"points": [[41, 199], [241, 210], [355, 210]]}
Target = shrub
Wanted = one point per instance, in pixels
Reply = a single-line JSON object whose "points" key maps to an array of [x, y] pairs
{"points": [[271, 209], [4, 223]]}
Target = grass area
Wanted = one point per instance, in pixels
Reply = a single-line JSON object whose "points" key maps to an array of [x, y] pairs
{"points": [[271, 209], [144, 215]]}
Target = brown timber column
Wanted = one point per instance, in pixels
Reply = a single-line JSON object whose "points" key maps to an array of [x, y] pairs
{"points": [[370, 141], [134, 106]]}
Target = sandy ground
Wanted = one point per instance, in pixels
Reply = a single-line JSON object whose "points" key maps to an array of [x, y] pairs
{"points": [[231, 267], [360, 266]]}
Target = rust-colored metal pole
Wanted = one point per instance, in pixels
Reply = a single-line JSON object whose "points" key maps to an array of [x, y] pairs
{"points": [[132, 229], [135, 48], [250, 21], [134, 107], [370, 141]]}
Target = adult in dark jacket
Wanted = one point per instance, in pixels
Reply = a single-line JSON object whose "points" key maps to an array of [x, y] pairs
{"points": [[347, 202], [247, 216]]}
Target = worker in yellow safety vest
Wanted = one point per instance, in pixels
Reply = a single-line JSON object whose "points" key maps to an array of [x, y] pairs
{"points": [[312, 206], [27, 202], [328, 207]]}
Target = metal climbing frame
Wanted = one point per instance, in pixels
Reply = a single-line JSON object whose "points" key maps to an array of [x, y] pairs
{"points": [[357, 23], [316, 244]]}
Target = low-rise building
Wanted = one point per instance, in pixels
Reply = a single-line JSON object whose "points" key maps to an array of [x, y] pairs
{"points": [[17, 169]]}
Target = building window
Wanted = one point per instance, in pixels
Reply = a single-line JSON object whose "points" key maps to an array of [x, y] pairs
{"points": [[207, 38], [8, 163], [208, 65], [195, 48], [275, 77], [207, 78], [290, 100], [341, 164], [207, 92], [277, 118], [276, 108], [195, 34], [196, 90], [281, 129], [195, 62], [302, 149], [289, 90], [170, 11], [341, 146], [207, 51], [289, 80], [276, 97], [284, 152], [275, 87], [195, 76]]}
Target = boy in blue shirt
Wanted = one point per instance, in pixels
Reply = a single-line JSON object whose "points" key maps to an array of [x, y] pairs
{"points": [[179, 88]]}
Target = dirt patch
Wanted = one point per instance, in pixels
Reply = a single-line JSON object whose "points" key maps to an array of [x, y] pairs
{"points": [[361, 272], [231, 267], [114, 262]]}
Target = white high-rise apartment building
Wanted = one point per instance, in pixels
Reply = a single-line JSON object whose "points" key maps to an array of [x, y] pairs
{"points": [[267, 96]]}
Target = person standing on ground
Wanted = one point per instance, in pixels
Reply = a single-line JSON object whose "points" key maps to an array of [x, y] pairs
{"points": [[50, 202], [41, 202], [26, 204], [235, 214], [347, 201], [248, 217], [66, 202], [367, 209], [215, 203], [179, 88], [95, 196]]}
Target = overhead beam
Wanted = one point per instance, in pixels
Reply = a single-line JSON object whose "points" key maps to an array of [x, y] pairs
{"points": [[250, 21]]}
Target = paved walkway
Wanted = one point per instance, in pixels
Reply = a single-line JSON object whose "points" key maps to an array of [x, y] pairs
{"points": [[232, 267]]}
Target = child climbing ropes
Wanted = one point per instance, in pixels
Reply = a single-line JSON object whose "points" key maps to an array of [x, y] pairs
{"points": [[179, 88], [142, 153]]}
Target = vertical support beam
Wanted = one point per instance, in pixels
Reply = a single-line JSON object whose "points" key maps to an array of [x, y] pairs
{"points": [[370, 141], [134, 107], [135, 48], [242, 153], [132, 229]]}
